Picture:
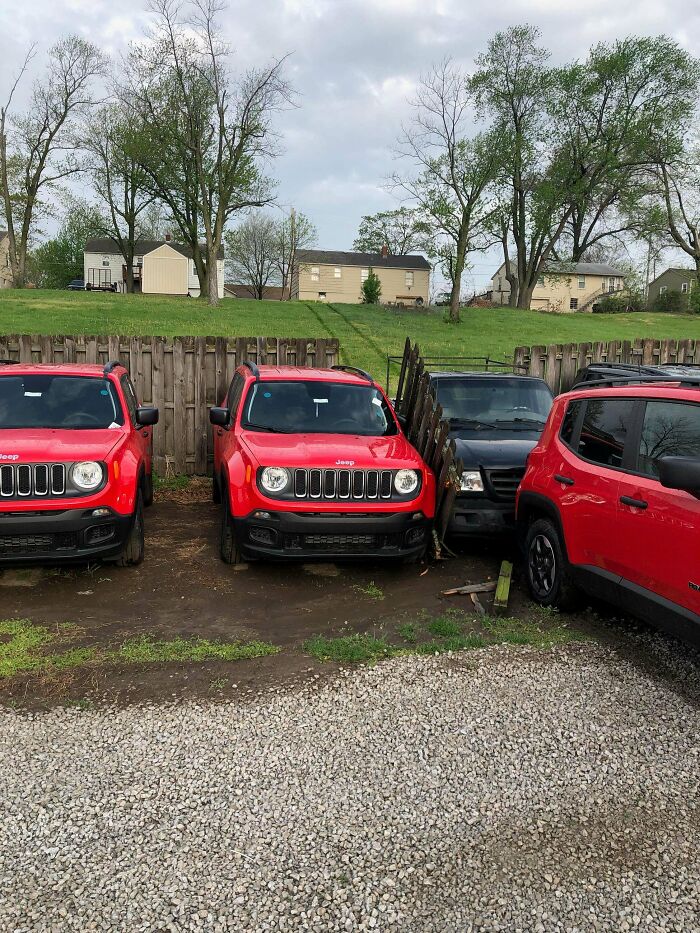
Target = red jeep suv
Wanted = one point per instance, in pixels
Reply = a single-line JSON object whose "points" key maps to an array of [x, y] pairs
{"points": [[610, 501], [313, 463], [75, 463]]}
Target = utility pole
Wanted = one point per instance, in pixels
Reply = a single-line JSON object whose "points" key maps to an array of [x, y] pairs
{"points": [[292, 252]]}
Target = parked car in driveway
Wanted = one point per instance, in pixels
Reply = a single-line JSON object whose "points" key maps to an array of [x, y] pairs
{"points": [[75, 464], [495, 420], [610, 501], [313, 463], [76, 285]]}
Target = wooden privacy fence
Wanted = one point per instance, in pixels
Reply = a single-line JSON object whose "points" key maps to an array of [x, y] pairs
{"points": [[558, 363], [182, 376], [429, 434]]}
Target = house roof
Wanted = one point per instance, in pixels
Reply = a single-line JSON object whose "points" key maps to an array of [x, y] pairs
{"points": [[329, 257], [683, 270], [142, 247], [579, 268]]}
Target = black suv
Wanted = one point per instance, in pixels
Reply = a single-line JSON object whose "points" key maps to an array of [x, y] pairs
{"points": [[606, 375], [495, 421]]}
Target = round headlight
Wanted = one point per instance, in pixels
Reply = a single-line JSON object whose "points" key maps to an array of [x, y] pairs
{"points": [[406, 482], [274, 479], [87, 474]]}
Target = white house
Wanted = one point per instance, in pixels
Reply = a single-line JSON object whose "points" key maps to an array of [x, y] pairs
{"points": [[161, 267]]}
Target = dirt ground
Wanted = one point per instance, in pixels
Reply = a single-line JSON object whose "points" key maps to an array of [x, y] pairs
{"points": [[183, 589]]}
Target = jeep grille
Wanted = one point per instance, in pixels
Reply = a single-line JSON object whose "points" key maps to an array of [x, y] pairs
{"points": [[343, 484], [32, 480]]}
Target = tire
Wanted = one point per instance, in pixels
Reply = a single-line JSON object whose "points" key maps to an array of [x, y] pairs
{"points": [[132, 553], [228, 546], [215, 490], [547, 567], [148, 490]]}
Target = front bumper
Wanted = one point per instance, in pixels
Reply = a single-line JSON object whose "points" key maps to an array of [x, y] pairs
{"points": [[474, 516], [60, 536], [332, 535]]}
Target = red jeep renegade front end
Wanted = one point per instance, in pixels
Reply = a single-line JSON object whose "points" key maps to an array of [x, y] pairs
{"points": [[75, 463], [313, 463]]}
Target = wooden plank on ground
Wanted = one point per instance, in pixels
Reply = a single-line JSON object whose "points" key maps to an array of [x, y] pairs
{"points": [[468, 588]]}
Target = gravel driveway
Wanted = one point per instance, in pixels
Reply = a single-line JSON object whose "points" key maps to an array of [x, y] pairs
{"points": [[502, 789]]}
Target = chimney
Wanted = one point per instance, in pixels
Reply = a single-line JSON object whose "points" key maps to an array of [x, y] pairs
{"points": [[385, 251], [168, 237]]}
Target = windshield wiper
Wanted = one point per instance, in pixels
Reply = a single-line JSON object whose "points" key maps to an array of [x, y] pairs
{"points": [[521, 421], [470, 423], [250, 426]]}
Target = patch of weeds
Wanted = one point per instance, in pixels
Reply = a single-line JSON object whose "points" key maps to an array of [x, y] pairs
{"points": [[179, 481], [511, 631], [219, 683], [146, 649], [445, 627], [409, 632], [74, 657], [453, 643], [371, 590], [82, 704], [20, 642], [349, 648]]}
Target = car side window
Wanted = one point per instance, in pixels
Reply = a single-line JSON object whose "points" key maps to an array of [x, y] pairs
{"points": [[604, 430], [670, 429], [569, 421], [233, 397], [130, 396]]}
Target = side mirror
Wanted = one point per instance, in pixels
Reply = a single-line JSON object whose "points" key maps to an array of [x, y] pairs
{"points": [[219, 416], [681, 473], [146, 416]]}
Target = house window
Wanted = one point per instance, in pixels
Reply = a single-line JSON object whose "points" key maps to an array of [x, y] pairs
{"points": [[321, 296], [500, 285], [409, 279], [662, 289], [582, 281], [684, 288], [139, 260], [573, 304], [337, 273], [364, 275], [315, 274], [105, 262]]}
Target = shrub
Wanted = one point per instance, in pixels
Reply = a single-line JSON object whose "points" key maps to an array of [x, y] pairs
{"points": [[371, 289], [673, 302], [619, 304]]}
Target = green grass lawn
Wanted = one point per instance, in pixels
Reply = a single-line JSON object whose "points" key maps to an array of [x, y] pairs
{"points": [[366, 334]]}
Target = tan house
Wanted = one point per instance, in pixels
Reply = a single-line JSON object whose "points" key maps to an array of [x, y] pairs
{"points": [[337, 277], [161, 267], [5, 271], [565, 287]]}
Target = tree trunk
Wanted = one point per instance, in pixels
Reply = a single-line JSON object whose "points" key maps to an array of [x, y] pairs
{"points": [[212, 276], [525, 296], [458, 270]]}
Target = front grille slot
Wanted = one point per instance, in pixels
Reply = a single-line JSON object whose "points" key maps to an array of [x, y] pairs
{"points": [[343, 484], [17, 545], [28, 481], [504, 483]]}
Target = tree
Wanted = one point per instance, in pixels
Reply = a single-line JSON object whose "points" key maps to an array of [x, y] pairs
{"points": [[371, 289], [118, 180], [37, 150], [295, 232], [205, 134], [453, 187], [252, 253], [402, 231], [515, 88], [60, 259], [678, 182]]}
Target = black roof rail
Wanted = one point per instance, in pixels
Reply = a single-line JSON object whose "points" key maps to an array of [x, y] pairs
{"points": [[610, 382], [10, 362], [112, 364], [253, 368], [353, 369]]}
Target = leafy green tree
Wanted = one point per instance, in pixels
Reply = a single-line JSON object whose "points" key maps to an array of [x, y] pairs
{"points": [[60, 259], [402, 231], [371, 289]]}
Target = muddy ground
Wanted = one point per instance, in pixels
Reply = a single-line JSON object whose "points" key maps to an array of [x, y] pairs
{"points": [[183, 589]]}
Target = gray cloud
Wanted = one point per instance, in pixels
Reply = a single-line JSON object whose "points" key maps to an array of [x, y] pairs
{"points": [[353, 62]]}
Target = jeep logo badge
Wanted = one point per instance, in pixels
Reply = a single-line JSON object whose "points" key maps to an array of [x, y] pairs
{"points": [[9, 456], [345, 463]]}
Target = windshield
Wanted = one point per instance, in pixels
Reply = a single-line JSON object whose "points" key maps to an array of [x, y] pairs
{"points": [[48, 401], [317, 408], [494, 403]]}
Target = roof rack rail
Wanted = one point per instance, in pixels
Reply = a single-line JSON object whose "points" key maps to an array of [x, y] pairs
{"points": [[611, 382], [253, 367], [112, 364], [341, 367], [10, 362]]}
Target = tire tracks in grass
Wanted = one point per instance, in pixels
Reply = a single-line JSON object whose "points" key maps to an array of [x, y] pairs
{"points": [[365, 338]]}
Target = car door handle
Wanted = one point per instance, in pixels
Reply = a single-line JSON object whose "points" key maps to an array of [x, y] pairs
{"points": [[635, 503], [566, 480]]}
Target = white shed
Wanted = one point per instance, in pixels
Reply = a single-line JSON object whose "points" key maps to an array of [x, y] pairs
{"points": [[165, 272]]}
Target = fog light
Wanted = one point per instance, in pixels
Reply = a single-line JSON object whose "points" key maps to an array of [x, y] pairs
{"points": [[101, 513], [261, 535], [261, 515], [414, 535]]}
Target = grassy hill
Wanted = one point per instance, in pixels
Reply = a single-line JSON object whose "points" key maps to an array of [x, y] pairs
{"points": [[366, 334]]}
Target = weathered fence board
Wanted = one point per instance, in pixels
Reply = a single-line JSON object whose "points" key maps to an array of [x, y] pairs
{"points": [[558, 363], [182, 376]]}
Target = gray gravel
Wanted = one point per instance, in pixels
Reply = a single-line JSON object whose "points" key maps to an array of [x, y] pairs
{"points": [[501, 790]]}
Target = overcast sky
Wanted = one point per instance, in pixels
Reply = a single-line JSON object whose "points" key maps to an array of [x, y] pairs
{"points": [[354, 64]]}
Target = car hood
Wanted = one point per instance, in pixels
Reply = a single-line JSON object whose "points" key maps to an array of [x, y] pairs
{"points": [[495, 453], [32, 445], [331, 450]]}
